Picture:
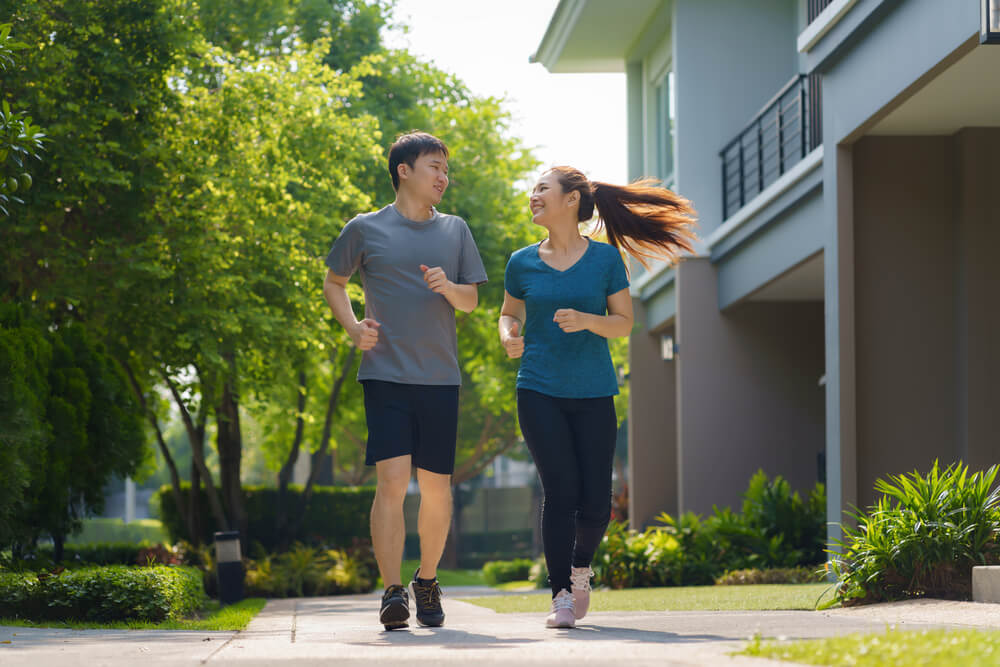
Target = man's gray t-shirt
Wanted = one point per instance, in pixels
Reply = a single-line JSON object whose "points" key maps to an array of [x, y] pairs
{"points": [[416, 340]]}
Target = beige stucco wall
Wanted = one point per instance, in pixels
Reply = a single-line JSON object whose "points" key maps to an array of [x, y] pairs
{"points": [[652, 426], [926, 295], [749, 391]]}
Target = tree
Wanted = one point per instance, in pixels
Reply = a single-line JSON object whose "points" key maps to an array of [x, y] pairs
{"points": [[75, 424], [20, 141], [261, 173]]}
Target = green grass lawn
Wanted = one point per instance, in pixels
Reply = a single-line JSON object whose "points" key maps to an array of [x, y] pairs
{"points": [[445, 577], [894, 648], [213, 617], [688, 598]]}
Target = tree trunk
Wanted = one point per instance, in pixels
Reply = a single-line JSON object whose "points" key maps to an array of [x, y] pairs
{"points": [[285, 474], [58, 546], [229, 444], [175, 479], [194, 505], [324, 446], [196, 436]]}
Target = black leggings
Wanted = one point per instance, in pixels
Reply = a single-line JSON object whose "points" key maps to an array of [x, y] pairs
{"points": [[573, 443]]}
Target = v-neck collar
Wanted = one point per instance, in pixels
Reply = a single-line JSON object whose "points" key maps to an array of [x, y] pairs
{"points": [[569, 268]]}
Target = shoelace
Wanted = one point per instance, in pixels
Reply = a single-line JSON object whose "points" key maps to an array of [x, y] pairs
{"points": [[394, 590], [581, 578], [562, 602], [429, 596]]}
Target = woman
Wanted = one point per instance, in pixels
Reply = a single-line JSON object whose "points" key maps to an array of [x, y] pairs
{"points": [[564, 297]]}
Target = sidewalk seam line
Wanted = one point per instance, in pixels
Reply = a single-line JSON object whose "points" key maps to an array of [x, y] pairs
{"points": [[295, 619], [224, 645]]}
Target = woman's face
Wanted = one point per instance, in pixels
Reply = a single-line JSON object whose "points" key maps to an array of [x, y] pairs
{"points": [[548, 202]]}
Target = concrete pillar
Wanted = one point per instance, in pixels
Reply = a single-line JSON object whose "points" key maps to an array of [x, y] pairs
{"points": [[652, 426], [838, 279], [978, 287]]}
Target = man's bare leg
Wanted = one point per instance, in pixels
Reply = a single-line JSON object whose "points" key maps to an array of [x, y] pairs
{"points": [[434, 519], [387, 524]]}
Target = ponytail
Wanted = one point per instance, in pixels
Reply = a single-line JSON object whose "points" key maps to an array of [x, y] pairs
{"points": [[646, 221]]}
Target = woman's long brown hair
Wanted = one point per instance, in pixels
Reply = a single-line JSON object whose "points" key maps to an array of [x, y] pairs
{"points": [[644, 220]]}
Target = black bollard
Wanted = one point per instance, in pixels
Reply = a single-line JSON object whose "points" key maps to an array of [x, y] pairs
{"points": [[229, 566]]}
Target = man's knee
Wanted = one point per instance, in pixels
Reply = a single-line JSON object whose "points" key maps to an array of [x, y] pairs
{"points": [[391, 482]]}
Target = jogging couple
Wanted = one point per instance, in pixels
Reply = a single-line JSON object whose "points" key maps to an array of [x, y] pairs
{"points": [[564, 297]]}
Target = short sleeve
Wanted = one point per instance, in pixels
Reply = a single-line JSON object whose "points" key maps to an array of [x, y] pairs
{"points": [[470, 265], [618, 277], [511, 279], [348, 250]]}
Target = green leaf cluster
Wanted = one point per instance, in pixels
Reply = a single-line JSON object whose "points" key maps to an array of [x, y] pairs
{"points": [[20, 140], [776, 529], [67, 425], [307, 571], [922, 537], [498, 571], [113, 593]]}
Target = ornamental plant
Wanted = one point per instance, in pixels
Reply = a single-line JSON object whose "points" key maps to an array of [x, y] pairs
{"points": [[922, 537]]}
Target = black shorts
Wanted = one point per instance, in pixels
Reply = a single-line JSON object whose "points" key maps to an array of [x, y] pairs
{"points": [[416, 419]]}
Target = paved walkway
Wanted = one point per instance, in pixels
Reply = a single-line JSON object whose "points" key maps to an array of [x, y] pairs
{"points": [[343, 631]]}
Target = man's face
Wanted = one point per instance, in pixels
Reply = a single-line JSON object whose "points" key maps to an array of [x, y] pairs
{"points": [[427, 179]]}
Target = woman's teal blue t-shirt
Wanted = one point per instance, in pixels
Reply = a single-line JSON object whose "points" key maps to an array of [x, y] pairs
{"points": [[556, 363]]}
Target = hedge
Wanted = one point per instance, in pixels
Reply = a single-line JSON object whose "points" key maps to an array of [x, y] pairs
{"points": [[103, 594], [499, 571], [336, 515]]}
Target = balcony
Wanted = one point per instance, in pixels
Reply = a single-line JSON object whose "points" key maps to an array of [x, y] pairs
{"points": [[787, 129], [816, 7]]}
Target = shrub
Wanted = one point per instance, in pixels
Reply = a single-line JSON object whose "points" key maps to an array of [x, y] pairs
{"points": [[498, 571], [779, 575], [539, 573], [334, 517], [80, 555], [306, 571], [776, 529], [922, 537], [113, 593]]}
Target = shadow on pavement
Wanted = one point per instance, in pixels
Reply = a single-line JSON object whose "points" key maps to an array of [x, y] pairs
{"points": [[447, 638]]}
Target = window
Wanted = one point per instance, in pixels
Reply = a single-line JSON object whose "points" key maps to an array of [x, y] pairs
{"points": [[665, 113]]}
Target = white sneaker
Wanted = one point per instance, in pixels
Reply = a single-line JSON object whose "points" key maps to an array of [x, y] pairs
{"points": [[562, 611], [580, 578]]}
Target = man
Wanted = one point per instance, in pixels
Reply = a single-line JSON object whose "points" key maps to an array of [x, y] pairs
{"points": [[417, 267]]}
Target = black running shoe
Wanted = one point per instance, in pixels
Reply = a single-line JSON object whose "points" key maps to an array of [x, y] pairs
{"points": [[395, 608], [428, 598]]}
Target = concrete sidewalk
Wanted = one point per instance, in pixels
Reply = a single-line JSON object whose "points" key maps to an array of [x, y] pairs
{"points": [[344, 631]]}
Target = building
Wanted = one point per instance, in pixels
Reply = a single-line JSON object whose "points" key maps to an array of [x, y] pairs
{"points": [[841, 317]]}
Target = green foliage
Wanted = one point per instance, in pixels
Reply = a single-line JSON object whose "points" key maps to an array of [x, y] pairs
{"points": [[73, 425], [777, 575], [498, 571], [772, 508], [921, 537], [102, 594], [20, 141], [335, 515], [97, 530], [308, 571], [539, 573], [775, 530]]}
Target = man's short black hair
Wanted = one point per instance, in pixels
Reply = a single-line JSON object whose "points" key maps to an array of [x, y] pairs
{"points": [[408, 147]]}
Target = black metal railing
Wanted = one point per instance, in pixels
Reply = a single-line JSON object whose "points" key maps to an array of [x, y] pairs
{"points": [[816, 7], [787, 129]]}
